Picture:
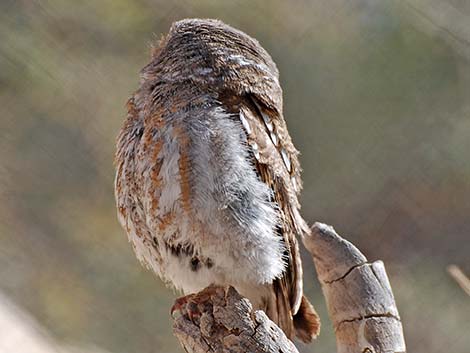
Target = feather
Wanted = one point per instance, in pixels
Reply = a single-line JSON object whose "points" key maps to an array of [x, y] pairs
{"points": [[280, 170], [207, 175]]}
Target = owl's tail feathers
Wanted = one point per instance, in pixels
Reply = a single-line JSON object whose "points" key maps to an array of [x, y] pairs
{"points": [[306, 322]]}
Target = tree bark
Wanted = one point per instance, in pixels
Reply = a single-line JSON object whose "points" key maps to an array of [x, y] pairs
{"points": [[358, 296], [226, 322]]}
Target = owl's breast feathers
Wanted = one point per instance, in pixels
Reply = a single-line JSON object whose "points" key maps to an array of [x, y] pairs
{"points": [[207, 175]]}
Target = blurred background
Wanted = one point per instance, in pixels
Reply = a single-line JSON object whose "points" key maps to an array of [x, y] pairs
{"points": [[377, 99]]}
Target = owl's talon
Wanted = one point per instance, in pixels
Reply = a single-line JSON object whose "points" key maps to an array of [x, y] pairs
{"points": [[178, 306], [175, 313], [185, 306], [193, 311]]}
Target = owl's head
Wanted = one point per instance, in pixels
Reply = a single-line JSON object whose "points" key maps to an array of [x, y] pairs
{"points": [[210, 53]]}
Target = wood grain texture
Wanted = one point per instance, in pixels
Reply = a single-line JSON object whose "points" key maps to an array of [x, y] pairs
{"points": [[226, 322], [358, 295]]}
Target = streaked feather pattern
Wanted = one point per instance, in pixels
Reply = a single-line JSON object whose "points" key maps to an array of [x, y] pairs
{"points": [[207, 176]]}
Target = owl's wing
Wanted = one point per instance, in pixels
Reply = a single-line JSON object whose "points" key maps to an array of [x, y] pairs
{"points": [[276, 160]]}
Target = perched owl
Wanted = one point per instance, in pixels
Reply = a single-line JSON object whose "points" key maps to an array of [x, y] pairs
{"points": [[207, 176]]}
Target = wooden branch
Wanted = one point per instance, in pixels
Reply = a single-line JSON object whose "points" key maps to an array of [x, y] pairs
{"points": [[462, 280], [358, 296], [227, 323]]}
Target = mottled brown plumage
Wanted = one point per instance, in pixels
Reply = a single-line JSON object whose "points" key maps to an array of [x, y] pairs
{"points": [[207, 176]]}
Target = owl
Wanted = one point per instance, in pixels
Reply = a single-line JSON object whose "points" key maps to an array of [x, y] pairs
{"points": [[207, 177]]}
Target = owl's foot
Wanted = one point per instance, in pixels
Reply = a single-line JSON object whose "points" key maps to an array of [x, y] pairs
{"points": [[193, 305], [181, 305]]}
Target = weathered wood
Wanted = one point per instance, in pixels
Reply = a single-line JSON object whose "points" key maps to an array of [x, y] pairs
{"points": [[226, 322], [462, 280], [358, 295]]}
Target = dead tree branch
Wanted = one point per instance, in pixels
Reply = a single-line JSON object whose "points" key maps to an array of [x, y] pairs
{"points": [[358, 296], [227, 323], [459, 276]]}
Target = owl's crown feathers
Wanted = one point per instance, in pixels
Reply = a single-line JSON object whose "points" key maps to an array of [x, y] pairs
{"points": [[208, 52]]}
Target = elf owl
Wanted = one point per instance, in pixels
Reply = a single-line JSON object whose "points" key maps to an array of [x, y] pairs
{"points": [[207, 176]]}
